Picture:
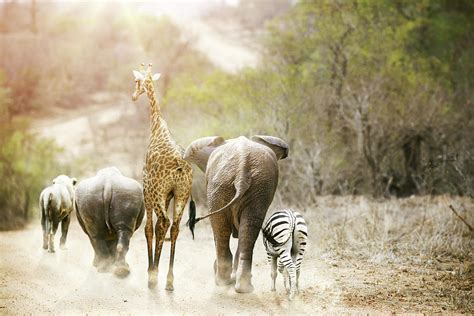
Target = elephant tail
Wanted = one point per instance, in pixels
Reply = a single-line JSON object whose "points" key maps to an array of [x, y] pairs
{"points": [[192, 216], [241, 184], [107, 198]]}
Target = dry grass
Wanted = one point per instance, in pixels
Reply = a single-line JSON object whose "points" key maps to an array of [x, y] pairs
{"points": [[398, 230], [402, 255]]}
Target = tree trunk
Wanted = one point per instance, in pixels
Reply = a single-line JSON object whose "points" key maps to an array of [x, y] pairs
{"points": [[26, 205], [412, 160]]}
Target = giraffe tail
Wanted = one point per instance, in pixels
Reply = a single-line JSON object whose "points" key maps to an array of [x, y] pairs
{"points": [[192, 216]]}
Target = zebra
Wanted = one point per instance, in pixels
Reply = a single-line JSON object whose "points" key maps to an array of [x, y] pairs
{"points": [[284, 237]]}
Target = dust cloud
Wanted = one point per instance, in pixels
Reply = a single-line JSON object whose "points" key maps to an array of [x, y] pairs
{"points": [[35, 281]]}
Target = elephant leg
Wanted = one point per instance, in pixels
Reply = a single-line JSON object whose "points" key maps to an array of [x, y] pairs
{"points": [[121, 248], [274, 272], [45, 233], [250, 224], [174, 231], [222, 229], [64, 230], [235, 264], [51, 236]]}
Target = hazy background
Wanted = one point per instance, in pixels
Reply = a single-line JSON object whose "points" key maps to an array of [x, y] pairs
{"points": [[374, 97]]}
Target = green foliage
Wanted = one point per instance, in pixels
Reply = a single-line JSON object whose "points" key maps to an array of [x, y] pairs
{"points": [[368, 93], [26, 165]]}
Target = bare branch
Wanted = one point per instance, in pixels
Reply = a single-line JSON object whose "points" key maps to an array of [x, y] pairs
{"points": [[462, 219]]}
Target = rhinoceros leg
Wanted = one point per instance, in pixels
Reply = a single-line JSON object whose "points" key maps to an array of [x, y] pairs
{"points": [[45, 233], [51, 236], [64, 229], [112, 245], [102, 255], [121, 266]]}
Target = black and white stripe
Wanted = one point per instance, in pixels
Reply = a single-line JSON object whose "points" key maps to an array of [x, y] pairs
{"points": [[285, 235]]}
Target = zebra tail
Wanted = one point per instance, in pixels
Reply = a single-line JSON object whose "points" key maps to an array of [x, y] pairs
{"points": [[268, 236]]}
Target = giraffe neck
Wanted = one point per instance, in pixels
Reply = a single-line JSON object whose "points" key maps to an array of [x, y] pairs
{"points": [[154, 106], [159, 128]]}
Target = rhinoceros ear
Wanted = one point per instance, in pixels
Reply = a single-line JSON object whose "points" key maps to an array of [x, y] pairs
{"points": [[279, 146], [198, 151]]}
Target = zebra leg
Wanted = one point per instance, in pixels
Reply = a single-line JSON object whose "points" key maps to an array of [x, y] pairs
{"points": [[281, 269], [290, 268], [301, 234], [298, 260], [274, 271], [297, 281]]}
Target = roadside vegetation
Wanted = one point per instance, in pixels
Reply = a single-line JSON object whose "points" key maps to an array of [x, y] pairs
{"points": [[54, 58], [375, 98]]}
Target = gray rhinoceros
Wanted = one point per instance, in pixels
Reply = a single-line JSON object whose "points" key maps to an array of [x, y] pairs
{"points": [[110, 209], [56, 204]]}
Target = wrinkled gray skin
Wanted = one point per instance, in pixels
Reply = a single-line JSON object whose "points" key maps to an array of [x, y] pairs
{"points": [[110, 209], [241, 176], [56, 204]]}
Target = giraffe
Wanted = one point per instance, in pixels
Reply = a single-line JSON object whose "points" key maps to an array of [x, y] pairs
{"points": [[165, 176]]}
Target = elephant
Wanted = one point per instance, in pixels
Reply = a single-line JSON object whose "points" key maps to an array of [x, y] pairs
{"points": [[110, 209], [56, 204], [241, 180]]}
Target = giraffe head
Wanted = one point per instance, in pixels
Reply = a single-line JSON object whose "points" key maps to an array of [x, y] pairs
{"points": [[143, 79]]}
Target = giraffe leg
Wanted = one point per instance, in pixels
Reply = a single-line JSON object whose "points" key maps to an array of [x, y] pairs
{"points": [[161, 227], [149, 243], [174, 231]]}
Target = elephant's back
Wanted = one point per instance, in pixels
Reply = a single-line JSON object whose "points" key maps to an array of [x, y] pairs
{"points": [[259, 160], [241, 158]]}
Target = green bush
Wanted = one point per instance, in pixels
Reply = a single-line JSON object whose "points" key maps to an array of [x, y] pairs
{"points": [[27, 164]]}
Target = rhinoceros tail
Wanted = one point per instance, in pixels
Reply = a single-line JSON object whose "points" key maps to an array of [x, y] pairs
{"points": [[107, 198], [47, 207]]}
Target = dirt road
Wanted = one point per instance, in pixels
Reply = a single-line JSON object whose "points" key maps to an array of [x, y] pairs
{"points": [[33, 280]]}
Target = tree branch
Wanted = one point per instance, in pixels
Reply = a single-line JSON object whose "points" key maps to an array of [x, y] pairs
{"points": [[462, 219]]}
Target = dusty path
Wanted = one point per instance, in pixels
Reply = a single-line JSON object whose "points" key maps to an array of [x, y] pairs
{"points": [[34, 281]]}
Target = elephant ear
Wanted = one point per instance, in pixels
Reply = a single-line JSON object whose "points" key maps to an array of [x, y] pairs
{"points": [[279, 146], [198, 151]]}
